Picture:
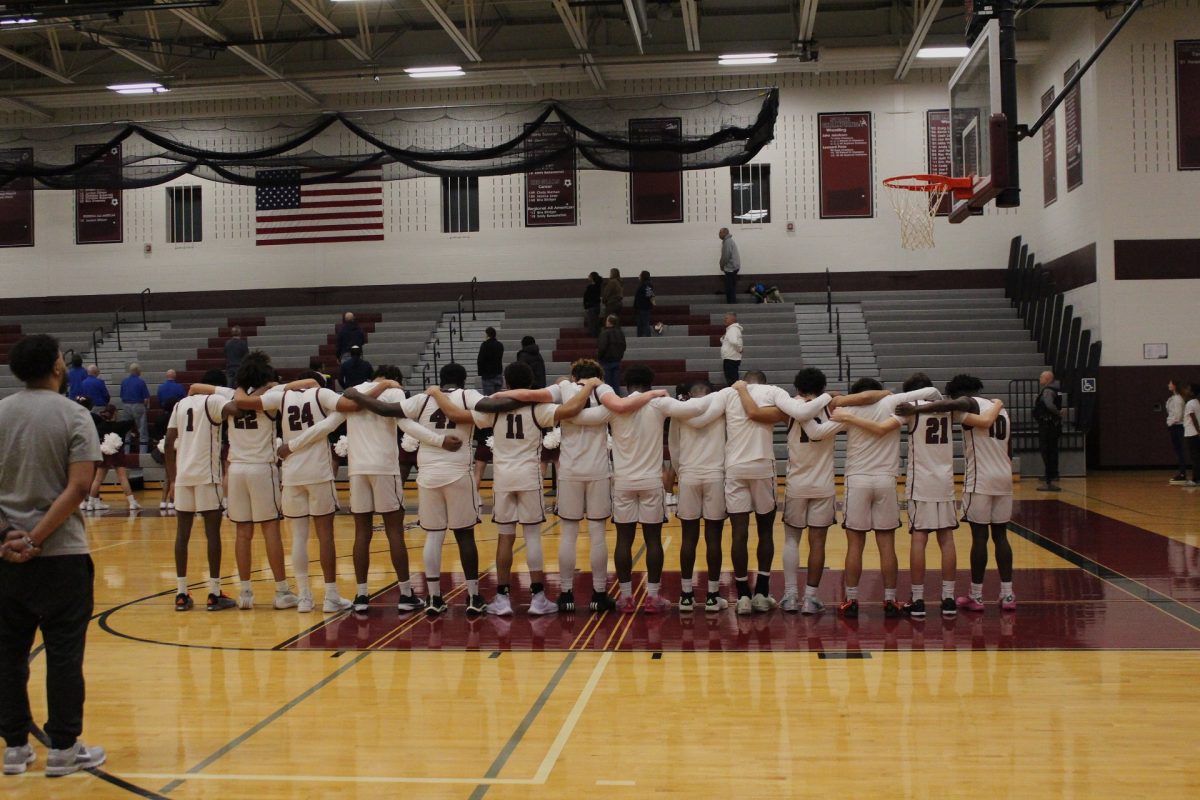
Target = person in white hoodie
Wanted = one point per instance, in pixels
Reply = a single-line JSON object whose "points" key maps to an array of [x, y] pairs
{"points": [[731, 348]]}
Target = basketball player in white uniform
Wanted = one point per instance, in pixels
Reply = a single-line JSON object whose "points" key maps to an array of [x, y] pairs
{"points": [[373, 463], [517, 480], [872, 464], [193, 453], [987, 483]]}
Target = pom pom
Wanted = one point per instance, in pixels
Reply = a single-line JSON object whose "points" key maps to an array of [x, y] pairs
{"points": [[341, 447], [111, 444], [410, 443], [162, 446], [490, 442], [278, 443], [552, 439]]}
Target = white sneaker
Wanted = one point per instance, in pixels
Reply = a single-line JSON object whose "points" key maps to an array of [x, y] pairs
{"points": [[541, 605], [98, 504], [500, 606], [85, 505], [162, 506], [18, 759], [335, 605], [743, 606], [64, 762], [246, 601], [134, 505], [762, 602], [170, 505], [305, 605], [812, 606], [287, 599], [671, 499], [790, 602]]}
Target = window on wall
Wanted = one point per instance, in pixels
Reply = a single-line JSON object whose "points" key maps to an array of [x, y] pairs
{"points": [[751, 193], [184, 215], [460, 204]]}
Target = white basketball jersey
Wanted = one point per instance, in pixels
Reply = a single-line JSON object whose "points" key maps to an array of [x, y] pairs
{"points": [[988, 454], [698, 453], [811, 446], [197, 419], [436, 466], [876, 456], [583, 453], [300, 411], [252, 433], [930, 457], [638, 443], [374, 449], [517, 446], [750, 445]]}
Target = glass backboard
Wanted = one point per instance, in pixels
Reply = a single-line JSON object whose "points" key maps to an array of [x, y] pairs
{"points": [[978, 130]]}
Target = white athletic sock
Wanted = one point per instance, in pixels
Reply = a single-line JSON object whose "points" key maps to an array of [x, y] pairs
{"points": [[947, 589], [282, 587], [568, 542], [599, 554], [433, 561], [851, 592], [791, 558], [918, 593], [405, 588], [652, 589], [331, 591], [714, 586], [810, 591], [361, 589], [533, 547], [626, 589], [473, 587], [300, 555], [889, 594], [246, 587], [1005, 588], [977, 591], [686, 583], [181, 585]]}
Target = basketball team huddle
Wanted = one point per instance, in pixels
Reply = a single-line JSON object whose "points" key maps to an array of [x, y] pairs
{"points": [[610, 466]]}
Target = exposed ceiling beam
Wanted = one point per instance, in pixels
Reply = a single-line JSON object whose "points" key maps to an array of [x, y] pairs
{"points": [[220, 36], [310, 10], [808, 20], [121, 51], [924, 22], [634, 25], [56, 50], [573, 24], [13, 55], [593, 71], [364, 26], [691, 24], [20, 105], [448, 25], [152, 29]]}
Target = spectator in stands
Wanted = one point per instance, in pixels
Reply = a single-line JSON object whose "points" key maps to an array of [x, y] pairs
{"points": [[643, 302], [592, 304], [490, 363], [94, 388], [318, 369], [612, 294], [76, 375], [170, 392], [1048, 412], [349, 335], [531, 355], [731, 264], [610, 349], [236, 349], [134, 395], [355, 369], [731, 348]]}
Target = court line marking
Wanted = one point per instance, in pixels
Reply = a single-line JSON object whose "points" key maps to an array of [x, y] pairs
{"points": [[568, 726], [616, 783], [216, 777]]}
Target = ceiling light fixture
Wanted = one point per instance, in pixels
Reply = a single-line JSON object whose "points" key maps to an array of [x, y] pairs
{"points": [[435, 72], [747, 59], [943, 52], [21, 21], [139, 88]]}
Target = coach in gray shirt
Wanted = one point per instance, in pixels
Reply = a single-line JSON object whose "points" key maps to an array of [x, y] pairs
{"points": [[48, 454]]}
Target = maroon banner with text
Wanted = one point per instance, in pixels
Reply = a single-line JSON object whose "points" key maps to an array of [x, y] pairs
{"points": [[98, 218], [847, 173], [1074, 132], [937, 149], [16, 203], [550, 189], [1187, 102], [656, 182], [1049, 153]]}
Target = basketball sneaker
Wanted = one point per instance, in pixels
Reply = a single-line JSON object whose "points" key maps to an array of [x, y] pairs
{"points": [[286, 599], [566, 602], [408, 603], [627, 605], [849, 609], [183, 602], [601, 601], [78, 756], [790, 602], [436, 607], [305, 604], [891, 609], [762, 603], [914, 608], [336, 605], [715, 603], [744, 605], [361, 604], [812, 606], [245, 601], [476, 605], [1179, 480], [162, 506], [134, 505], [18, 759], [1008, 603], [969, 604], [220, 602], [687, 602], [540, 605], [500, 606], [656, 604], [949, 609], [96, 504]]}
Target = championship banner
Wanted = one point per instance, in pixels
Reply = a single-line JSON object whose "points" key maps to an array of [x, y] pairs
{"points": [[655, 195], [550, 189], [16, 203], [1074, 134], [98, 218], [1049, 153], [847, 182], [1187, 102]]}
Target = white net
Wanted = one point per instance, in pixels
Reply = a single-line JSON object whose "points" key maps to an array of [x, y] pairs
{"points": [[916, 203]]}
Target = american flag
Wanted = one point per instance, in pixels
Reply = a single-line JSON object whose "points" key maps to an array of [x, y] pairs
{"points": [[350, 210]]}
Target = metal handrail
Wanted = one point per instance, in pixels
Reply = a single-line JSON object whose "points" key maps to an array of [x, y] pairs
{"points": [[142, 296], [839, 343], [117, 327], [474, 287], [97, 341], [424, 374], [436, 353], [848, 378], [460, 325], [829, 299], [452, 336]]}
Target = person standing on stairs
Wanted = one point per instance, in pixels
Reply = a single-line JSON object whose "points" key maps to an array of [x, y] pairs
{"points": [[731, 264], [349, 335], [731, 348], [610, 349], [490, 363], [643, 304]]}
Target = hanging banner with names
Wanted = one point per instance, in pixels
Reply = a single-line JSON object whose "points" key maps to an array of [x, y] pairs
{"points": [[937, 149], [1074, 132], [1187, 102], [550, 189], [1049, 153], [846, 170], [98, 218], [16, 203]]}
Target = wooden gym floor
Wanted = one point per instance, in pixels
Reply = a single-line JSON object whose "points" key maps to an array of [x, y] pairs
{"points": [[1084, 692]]}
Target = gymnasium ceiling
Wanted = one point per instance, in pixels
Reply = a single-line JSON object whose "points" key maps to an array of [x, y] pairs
{"points": [[63, 54]]}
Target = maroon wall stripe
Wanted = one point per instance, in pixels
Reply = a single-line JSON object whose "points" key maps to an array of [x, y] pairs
{"points": [[1156, 259], [1074, 269]]}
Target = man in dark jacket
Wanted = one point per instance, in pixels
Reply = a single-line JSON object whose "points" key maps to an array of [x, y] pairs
{"points": [[529, 354], [610, 349], [349, 335], [592, 304], [1049, 415], [643, 302], [236, 349], [355, 369], [490, 363]]}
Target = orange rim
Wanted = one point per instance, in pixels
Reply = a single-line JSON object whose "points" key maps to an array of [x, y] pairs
{"points": [[931, 184]]}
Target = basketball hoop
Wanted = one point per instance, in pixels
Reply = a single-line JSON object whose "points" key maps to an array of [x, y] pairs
{"points": [[916, 200]]}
